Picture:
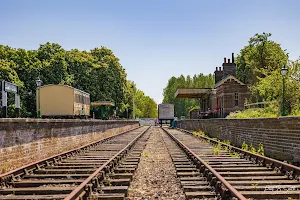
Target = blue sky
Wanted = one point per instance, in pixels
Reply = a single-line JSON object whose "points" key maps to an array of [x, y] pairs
{"points": [[155, 39]]}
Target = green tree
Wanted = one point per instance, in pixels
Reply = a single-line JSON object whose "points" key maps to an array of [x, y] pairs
{"points": [[182, 106], [97, 72], [261, 53]]}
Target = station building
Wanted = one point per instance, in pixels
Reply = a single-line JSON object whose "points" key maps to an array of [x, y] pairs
{"points": [[227, 95]]}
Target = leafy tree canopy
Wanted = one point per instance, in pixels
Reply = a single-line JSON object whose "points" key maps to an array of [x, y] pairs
{"points": [[182, 106], [97, 72]]}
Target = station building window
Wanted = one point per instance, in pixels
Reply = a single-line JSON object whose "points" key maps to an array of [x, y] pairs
{"points": [[236, 99]]}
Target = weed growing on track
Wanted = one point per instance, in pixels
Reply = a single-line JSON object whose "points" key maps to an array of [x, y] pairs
{"points": [[4, 169], [254, 185], [145, 154], [200, 133], [259, 151], [234, 155], [252, 149], [245, 146], [217, 149]]}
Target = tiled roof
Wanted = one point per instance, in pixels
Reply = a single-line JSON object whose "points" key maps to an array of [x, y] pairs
{"points": [[227, 78]]}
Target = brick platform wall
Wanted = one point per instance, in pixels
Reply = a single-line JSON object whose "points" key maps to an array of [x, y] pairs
{"points": [[26, 140], [280, 136]]}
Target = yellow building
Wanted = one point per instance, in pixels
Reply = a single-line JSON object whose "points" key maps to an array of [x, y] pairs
{"points": [[63, 101]]}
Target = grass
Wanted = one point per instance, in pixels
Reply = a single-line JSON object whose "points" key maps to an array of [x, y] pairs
{"points": [[259, 151], [217, 149], [200, 133]]}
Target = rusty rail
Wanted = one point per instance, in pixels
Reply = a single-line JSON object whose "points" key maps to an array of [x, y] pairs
{"points": [[52, 159], [91, 182], [224, 188], [291, 171]]}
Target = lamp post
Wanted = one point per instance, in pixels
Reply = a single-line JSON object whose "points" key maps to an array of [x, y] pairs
{"points": [[38, 85], [133, 114], [283, 73]]}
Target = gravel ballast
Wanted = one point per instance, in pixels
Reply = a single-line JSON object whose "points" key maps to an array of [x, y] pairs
{"points": [[155, 177]]}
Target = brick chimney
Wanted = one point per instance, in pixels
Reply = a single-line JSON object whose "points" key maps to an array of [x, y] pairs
{"points": [[229, 68], [218, 74]]}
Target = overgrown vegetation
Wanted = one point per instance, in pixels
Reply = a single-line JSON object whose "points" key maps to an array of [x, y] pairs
{"points": [[272, 110], [259, 65]]}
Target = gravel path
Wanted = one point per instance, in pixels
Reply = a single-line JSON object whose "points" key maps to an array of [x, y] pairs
{"points": [[155, 177]]}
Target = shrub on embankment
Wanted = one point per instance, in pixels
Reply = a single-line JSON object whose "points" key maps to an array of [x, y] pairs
{"points": [[273, 110]]}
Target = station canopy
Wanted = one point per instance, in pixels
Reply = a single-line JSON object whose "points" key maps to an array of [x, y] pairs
{"points": [[193, 92], [102, 103]]}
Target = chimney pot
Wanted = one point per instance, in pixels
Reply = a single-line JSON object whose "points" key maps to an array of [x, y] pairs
{"points": [[232, 57], [216, 68], [220, 69], [228, 60], [224, 60]]}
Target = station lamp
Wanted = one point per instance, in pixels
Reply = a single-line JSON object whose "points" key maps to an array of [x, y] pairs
{"points": [[284, 71], [38, 85]]}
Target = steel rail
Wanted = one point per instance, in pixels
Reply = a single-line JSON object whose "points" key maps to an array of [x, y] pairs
{"points": [[228, 186], [91, 181], [52, 159], [291, 171]]}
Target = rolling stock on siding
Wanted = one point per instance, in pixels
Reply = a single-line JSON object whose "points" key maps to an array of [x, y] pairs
{"points": [[63, 101]]}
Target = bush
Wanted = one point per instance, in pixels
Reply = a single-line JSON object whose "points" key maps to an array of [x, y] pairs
{"points": [[271, 111]]}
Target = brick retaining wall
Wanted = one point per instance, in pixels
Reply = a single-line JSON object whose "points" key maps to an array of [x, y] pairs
{"points": [[280, 136], [26, 140]]}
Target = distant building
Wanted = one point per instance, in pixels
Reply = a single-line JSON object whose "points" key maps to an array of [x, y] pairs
{"points": [[228, 94]]}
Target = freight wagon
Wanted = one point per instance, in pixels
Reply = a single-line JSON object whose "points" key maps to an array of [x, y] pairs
{"points": [[63, 101], [165, 113]]}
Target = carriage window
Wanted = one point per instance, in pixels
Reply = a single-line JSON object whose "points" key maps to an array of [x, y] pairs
{"points": [[77, 98]]}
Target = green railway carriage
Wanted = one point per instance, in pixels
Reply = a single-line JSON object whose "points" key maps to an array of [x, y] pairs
{"points": [[63, 101]]}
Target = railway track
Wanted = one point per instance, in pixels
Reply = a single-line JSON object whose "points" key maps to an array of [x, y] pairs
{"points": [[101, 170], [210, 169]]}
